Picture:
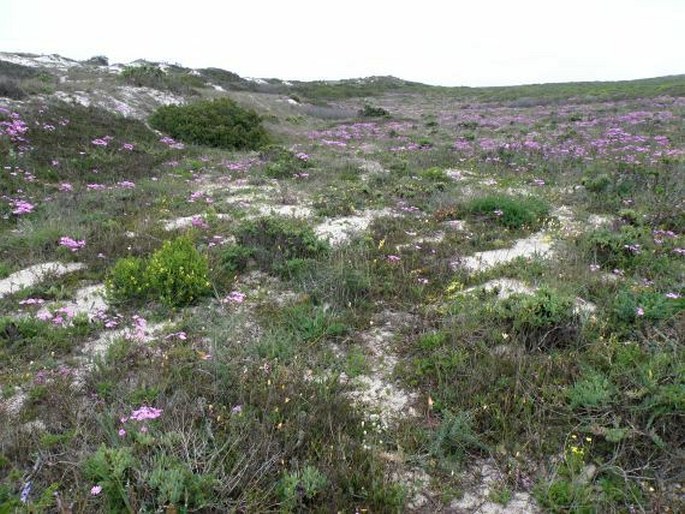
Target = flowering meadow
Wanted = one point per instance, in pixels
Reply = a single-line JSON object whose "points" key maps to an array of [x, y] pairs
{"points": [[405, 299]]}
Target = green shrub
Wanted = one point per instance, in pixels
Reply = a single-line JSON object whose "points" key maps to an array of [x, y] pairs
{"points": [[298, 488], [542, 320], [235, 258], [127, 279], [220, 123], [515, 213], [592, 390], [282, 163], [178, 273], [371, 111], [273, 241]]}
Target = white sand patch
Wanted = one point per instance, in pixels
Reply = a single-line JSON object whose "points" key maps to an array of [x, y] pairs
{"points": [[372, 167], [505, 287], [98, 347], [456, 225], [289, 211], [539, 244], [458, 175], [485, 478], [77, 97], [19, 59], [35, 274], [89, 300], [377, 389], [13, 405], [292, 101], [340, 230], [417, 484], [217, 87], [186, 221]]}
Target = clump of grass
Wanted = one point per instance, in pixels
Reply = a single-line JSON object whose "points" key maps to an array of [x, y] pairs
{"points": [[271, 243], [510, 212]]}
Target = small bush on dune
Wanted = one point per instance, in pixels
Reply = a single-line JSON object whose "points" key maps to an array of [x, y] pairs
{"points": [[177, 274], [219, 123]]}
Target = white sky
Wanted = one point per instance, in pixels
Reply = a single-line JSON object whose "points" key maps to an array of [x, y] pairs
{"points": [[458, 42]]}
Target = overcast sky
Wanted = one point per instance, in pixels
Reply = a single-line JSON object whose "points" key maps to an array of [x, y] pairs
{"points": [[457, 42]]}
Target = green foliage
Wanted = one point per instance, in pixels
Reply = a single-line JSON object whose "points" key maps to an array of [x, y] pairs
{"points": [[176, 484], [593, 389], [371, 111], [220, 123], [298, 488], [273, 241], [235, 258], [177, 274], [127, 279], [150, 75], [515, 213], [282, 163], [112, 468], [455, 439], [541, 320]]}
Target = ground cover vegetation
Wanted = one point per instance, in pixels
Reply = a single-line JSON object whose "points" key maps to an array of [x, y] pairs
{"points": [[379, 297]]}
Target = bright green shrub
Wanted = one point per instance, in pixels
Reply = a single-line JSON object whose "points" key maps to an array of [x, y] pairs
{"points": [[178, 273], [220, 123], [127, 279]]}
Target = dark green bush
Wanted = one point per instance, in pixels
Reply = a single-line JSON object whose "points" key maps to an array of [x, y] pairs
{"points": [[220, 123], [370, 111]]}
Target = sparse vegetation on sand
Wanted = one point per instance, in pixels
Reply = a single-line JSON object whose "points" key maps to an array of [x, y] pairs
{"points": [[464, 299]]}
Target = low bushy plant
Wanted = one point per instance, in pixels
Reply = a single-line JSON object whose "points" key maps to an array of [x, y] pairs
{"points": [[282, 163], [372, 111], [540, 320], [272, 241], [177, 274], [221, 123]]}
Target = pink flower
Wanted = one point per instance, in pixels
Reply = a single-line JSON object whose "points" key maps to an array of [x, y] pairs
{"points": [[65, 187], [670, 296], [127, 146], [234, 297], [73, 244], [122, 432], [126, 184], [393, 258], [21, 207], [639, 312], [95, 490], [199, 222], [44, 315], [32, 301], [145, 412]]}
